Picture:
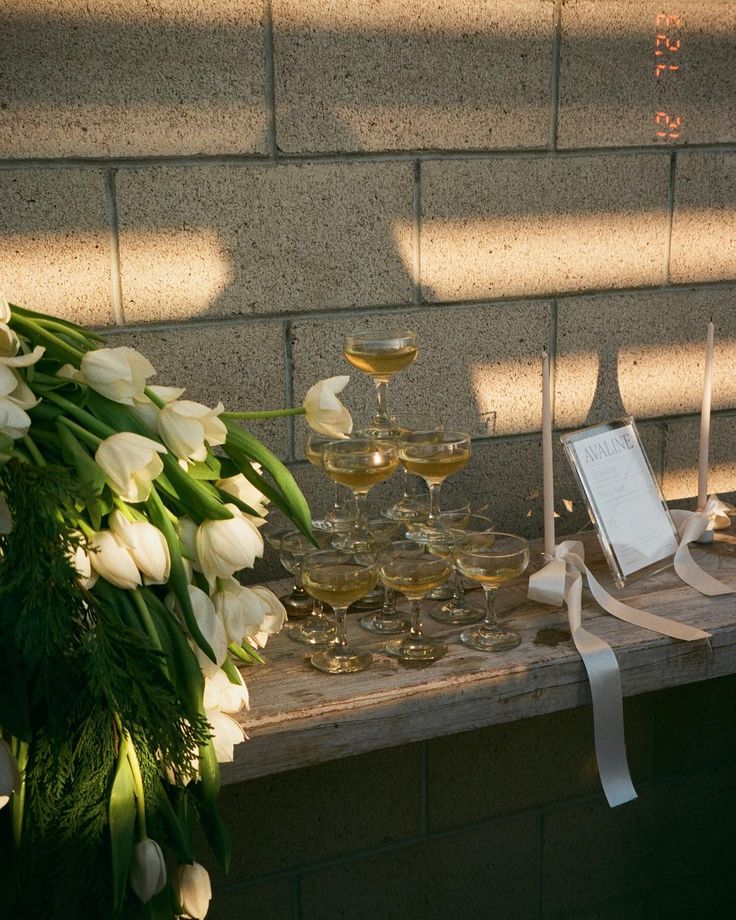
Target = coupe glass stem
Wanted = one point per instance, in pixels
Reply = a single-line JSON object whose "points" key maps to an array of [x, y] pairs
{"points": [[341, 635], [382, 417], [416, 622], [434, 500], [490, 621], [361, 514], [458, 589]]}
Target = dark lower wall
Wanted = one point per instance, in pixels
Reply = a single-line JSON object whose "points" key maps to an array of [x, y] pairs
{"points": [[504, 823]]}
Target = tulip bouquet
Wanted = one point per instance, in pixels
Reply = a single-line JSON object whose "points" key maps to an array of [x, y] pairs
{"points": [[121, 531]]}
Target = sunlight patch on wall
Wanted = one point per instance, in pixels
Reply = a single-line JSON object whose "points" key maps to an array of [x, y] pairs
{"points": [[682, 482], [507, 396], [173, 274]]}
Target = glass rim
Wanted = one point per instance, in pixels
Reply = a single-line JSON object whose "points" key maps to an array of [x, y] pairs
{"points": [[521, 542], [369, 334], [343, 445]]}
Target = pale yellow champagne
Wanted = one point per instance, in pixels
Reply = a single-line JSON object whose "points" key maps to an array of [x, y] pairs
{"points": [[490, 576], [360, 475], [381, 362], [433, 465], [339, 585], [415, 584]]}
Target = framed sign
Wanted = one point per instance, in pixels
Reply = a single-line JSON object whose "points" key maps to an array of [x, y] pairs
{"points": [[624, 501]]}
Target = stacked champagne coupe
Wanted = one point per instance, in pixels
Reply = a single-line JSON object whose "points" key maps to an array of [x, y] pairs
{"points": [[413, 550]]}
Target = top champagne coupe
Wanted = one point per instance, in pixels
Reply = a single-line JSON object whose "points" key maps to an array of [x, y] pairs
{"points": [[381, 354]]}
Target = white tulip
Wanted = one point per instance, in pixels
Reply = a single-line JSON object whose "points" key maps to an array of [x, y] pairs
{"points": [[112, 561], [226, 733], [187, 531], [9, 775], [117, 373], [188, 427], [220, 693], [130, 463], [210, 625], [146, 544], [192, 890], [325, 413], [272, 617], [15, 395], [83, 567], [5, 313], [148, 870], [225, 547], [231, 606], [247, 493]]}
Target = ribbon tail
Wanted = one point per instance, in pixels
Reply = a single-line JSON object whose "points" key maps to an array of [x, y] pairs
{"points": [[608, 713], [692, 574], [641, 617]]}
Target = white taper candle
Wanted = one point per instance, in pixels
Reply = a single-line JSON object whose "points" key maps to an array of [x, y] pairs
{"points": [[705, 421], [547, 465]]}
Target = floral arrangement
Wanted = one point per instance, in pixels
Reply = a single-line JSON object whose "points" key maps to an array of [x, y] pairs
{"points": [[121, 531]]}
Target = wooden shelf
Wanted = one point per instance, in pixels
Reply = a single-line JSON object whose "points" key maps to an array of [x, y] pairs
{"points": [[300, 717]]}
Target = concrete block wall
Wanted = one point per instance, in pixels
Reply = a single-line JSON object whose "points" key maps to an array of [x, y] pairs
{"points": [[230, 185], [503, 823]]}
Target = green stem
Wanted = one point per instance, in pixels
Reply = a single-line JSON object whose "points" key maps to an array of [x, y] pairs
{"points": [[140, 797], [33, 450], [99, 428], [156, 400], [85, 528], [33, 329], [19, 799], [89, 439], [145, 615], [267, 413], [245, 653]]}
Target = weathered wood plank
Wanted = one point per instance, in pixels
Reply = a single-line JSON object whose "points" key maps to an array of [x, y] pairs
{"points": [[300, 717]]}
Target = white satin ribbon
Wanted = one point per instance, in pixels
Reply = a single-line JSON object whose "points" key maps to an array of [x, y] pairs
{"points": [[561, 581], [698, 527]]}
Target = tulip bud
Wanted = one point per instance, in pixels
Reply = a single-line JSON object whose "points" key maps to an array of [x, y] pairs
{"points": [[148, 870], [221, 693], [83, 567], [224, 547], [112, 561], [246, 492], [130, 463], [324, 411], [117, 373], [211, 627], [272, 617], [193, 891], [185, 426], [146, 544], [226, 733], [9, 775]]}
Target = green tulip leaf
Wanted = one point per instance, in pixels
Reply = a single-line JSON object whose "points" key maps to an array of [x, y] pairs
{"points": [[122, 812]]}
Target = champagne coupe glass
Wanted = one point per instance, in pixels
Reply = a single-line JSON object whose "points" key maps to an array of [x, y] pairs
{"points": [[458, 612], [318, 628], [389, 621], [434, 459], [339, 518], [381, 354], [414, 573], [411, 508], [382, 533], [491, 558], [298, 603], [339, 579], [359, 463]]}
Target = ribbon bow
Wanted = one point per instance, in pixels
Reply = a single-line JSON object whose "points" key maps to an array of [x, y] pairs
{"points": [[561, 580], [698, 527]]}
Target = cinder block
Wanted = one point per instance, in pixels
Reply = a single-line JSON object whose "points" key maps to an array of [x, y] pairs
{"points": [[271, 900], [298, 818], [594, 853], [506, 227], [694, 827], [55, 243], [641, 354], [479, 873], [619, 909], [132, 78], [205, 240], [479, 369], [609, 89], [240, 364], [681, 461], [704, 220], [364, 76], [694, 726], [526, 764], [688, 898]]}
